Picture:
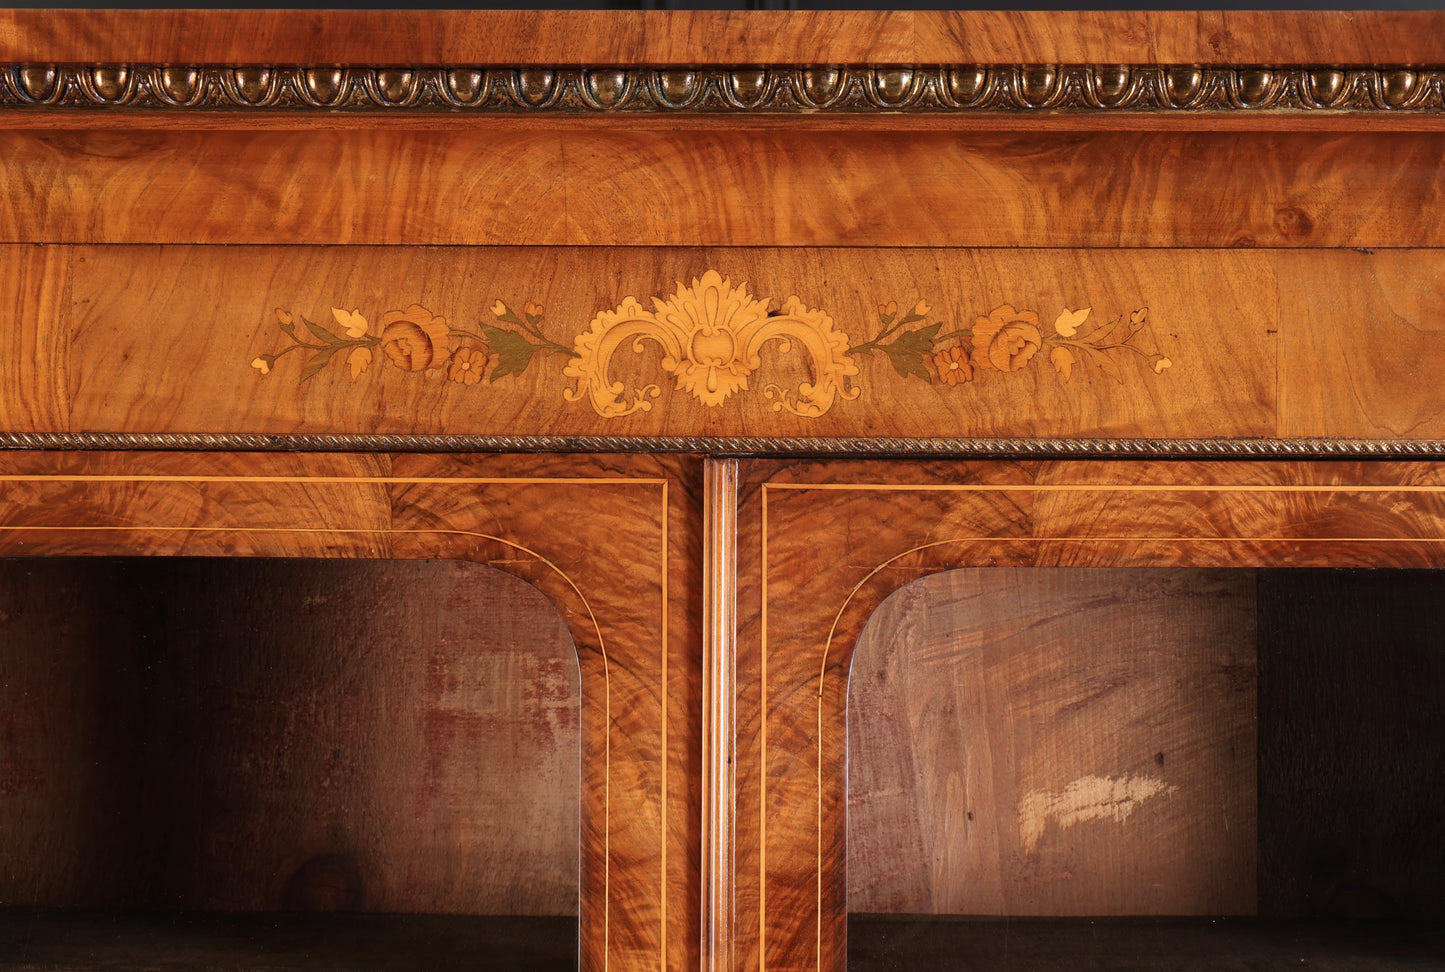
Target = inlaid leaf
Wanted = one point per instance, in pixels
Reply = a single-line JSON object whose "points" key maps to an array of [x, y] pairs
{"points": [[514, 352], [1108, 365], [318, 361], [322, 334], [1117, 331], [908, 349]]}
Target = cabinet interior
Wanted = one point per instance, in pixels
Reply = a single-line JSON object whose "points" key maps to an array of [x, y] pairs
{"points": [[1069, 768], [306, 763], [241, 763]]}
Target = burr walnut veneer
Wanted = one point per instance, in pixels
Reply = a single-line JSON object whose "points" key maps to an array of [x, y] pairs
{"points": [[718, 330]]}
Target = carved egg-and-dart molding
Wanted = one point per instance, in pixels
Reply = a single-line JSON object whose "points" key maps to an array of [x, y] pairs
{"points": [[730, 90]]}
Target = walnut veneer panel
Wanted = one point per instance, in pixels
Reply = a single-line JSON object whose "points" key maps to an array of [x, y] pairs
{"points": [[412, 38], [718, 37], [1172, 344], [1362, 359], [613, 542], [879, 526], [281, 187], [1055, 742], [195, 505], [728, 183], [243, 735], [1185, 37], [35, 284], [913, 188]]}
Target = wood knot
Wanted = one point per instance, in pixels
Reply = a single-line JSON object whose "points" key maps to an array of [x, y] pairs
{"points": [[1293, 223]]}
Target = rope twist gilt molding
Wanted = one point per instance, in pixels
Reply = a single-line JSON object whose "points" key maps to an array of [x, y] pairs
{"points": [[921, 448], [730, 90]]}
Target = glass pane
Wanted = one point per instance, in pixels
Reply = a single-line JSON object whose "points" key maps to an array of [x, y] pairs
{"points": [[203, 757], [1120, 767]]}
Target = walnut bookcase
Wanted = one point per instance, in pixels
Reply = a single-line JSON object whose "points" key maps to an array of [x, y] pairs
{"points": [[718, 329]]}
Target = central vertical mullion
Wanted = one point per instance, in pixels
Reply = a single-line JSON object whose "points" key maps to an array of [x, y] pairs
{"points": [[720, 561]]}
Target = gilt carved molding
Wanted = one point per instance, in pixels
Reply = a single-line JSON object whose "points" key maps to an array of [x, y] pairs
{"points": [[733, 90]]}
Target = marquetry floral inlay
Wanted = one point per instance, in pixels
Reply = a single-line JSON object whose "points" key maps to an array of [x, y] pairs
{"points": [[1007, 339], [710, 339], [417, 340], [711, 335]]}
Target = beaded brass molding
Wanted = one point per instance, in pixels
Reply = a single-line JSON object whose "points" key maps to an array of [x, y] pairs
{"points": [[732, 90], [734, 446]]}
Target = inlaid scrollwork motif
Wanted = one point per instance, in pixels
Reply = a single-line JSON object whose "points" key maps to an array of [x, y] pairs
{"points": [[711, 335]]}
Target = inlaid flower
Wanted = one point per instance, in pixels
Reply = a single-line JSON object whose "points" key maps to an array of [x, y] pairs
{"points": [[359, 359], [1063, 361], [1068, 322], [414, 339], [1006, 339], [468, 366], [352, 320], [952, 365]]}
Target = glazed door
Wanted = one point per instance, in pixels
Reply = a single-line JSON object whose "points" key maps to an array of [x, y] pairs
{"points": [[1060, 694], [324, 740]]}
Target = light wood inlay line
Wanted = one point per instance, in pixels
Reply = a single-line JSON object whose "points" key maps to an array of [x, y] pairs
{"points": [[366, 480], [1100, 488], [666, 755], [763, 751], [818, 838]]}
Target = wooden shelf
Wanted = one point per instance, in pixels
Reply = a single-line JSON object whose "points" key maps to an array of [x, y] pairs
{"points": [[946, 944], [60, 941]]}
